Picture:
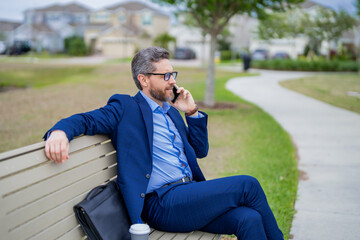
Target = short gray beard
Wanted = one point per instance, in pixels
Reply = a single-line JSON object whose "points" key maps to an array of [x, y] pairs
{"points": [[160, 95]]}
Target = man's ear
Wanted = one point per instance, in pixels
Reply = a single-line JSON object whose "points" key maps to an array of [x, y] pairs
{"points": [[143, 80]]}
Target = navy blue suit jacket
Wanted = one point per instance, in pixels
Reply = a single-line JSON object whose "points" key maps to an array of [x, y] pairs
{"points": [[128, 120]]}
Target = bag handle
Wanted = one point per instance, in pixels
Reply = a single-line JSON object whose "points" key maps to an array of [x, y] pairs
{"points": [[95, 192]]}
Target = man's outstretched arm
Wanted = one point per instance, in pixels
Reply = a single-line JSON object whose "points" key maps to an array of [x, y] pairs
{"points": [[100, 121]]}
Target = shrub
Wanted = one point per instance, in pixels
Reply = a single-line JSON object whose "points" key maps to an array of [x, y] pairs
{"points": [[75, 46], [305, 65], [225, 55]]}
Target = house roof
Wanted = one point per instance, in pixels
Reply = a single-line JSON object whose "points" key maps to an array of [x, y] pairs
{"points": [[36, 28], [71, 7], [311, 4], [98, 26], [130, 29], [41, 28], [134, 6], [8, 26]]}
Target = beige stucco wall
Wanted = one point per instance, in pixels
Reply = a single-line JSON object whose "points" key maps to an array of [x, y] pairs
{"points": [[115, 43], [89, 34], [118, 49], [160, 24]]}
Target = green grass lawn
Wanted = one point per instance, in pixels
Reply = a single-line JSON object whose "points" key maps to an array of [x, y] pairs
{"points": [[244, 140], [40, 76], [331, 88]]}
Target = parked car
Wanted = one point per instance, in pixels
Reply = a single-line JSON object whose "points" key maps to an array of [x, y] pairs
{"points": [[260, 54], [281, 55], [19, 47], [184, 53]]}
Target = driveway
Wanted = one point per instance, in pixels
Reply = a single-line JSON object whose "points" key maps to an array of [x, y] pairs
{"points": [[328, 142]]}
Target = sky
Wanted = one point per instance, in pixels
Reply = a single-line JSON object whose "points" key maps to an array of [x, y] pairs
{"points": [[13, 9]]}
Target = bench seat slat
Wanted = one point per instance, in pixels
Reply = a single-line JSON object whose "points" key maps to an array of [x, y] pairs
{"points": [[33, 175], [53, 184], [167, 236], [14, 161], [210, 236], [156, 235], [181, 236], [52, 216], [195, 235]]}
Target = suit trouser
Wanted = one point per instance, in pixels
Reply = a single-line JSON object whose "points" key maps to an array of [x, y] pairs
{"points": [[233, 205]]}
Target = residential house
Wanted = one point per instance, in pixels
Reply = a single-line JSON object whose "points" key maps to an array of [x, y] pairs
{"points": [[119, 30], [191, 37], [39, 36], [6, 30], [46, 28], [244, 30], [244, 36]]}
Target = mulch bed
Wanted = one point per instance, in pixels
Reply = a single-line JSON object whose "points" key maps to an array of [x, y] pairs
{"points": [[218, 105]]}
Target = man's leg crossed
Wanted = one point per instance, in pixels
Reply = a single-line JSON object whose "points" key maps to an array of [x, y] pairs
{"points": [[193, 206], [244, 222]]}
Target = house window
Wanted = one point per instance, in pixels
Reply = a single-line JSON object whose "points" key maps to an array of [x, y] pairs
{"points": [[122, 17], [52, 17], [102, 16], [147, 19]]}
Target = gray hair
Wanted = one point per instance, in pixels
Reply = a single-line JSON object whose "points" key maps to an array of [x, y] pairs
{"points": [[143, 62]]}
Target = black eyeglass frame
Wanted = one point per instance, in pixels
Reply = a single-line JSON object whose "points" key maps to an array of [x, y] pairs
{"points": [[169, 74]]}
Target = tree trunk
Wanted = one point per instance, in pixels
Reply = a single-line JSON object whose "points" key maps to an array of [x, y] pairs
{"points": [[203, 59], [210, 78]]}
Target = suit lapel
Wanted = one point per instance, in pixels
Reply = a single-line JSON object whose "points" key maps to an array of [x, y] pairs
{"points": [[147, 116]]}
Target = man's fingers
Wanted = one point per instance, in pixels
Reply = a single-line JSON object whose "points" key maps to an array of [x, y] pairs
{"points": [[64, 151], [58, 152], [47, 150]]}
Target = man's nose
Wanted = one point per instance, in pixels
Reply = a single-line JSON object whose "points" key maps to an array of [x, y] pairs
{"points": [[172, 81]]}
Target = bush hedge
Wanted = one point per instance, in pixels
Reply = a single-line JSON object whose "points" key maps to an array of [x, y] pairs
{"points": [[75, 46], [304, 65]]}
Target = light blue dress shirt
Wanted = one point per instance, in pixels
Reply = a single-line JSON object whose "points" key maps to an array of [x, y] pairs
{"points": [[169, 160]]}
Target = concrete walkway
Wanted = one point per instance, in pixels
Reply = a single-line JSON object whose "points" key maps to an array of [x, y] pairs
{"points": [[328, 142]]}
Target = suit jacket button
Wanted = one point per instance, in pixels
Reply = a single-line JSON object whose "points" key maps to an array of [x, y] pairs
{"points": [[142, 195], [147, 176]]}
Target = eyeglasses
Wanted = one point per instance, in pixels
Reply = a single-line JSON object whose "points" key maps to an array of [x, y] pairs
{"points": [[167, 75]]}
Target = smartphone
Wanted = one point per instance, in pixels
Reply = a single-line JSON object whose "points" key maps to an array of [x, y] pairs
{"points": [[176, 94]]}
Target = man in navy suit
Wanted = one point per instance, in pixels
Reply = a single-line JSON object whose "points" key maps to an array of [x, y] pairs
{"points": [[157, 153]]}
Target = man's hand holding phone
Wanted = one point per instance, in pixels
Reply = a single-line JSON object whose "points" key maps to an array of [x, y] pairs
{"points": [[184, 101]]}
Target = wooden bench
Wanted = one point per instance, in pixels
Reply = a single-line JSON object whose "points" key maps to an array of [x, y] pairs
{"points": [[37, 195]]}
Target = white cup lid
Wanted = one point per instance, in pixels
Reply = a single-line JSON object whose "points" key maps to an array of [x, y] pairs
{"points": [[139, 229]]}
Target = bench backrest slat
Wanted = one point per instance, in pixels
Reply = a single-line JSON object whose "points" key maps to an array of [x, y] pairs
{"points": [[74, 234], [13, 161], [23, 179], [47, 203], [51, 216], [55, 183], [61, 229], [37, 196]]}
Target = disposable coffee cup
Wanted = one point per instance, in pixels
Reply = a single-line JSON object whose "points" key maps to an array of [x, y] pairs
{"points": [[139, 231]]}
